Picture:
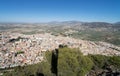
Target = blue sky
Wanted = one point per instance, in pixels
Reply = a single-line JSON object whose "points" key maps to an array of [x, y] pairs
{"points": [[59, 10]]}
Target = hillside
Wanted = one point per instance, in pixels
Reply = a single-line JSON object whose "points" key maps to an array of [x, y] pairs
{"points": [[23, 48], [93, 31], [71, 62]]}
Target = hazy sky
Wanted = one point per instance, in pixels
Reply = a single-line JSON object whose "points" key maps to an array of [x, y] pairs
{"points": [[59, 10]]}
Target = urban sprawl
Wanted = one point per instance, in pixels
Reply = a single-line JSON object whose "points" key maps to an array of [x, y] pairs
{"points": [[19, 49]]}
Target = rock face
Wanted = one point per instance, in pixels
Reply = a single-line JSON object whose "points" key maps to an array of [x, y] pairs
{"points": [[35, 45]]}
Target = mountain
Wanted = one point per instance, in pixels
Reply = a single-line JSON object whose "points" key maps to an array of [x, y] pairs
{"points": [[117, 23]]}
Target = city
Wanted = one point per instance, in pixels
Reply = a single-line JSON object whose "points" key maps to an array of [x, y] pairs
{"points": [[19, 49]]}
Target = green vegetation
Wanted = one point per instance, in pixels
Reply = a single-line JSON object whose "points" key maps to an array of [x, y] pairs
{"points": [[20, 52], [105, 62], [106, 35], [71, 62], [92, 35]]}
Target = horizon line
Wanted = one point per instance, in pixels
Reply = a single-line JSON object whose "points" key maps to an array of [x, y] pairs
{"points": [[55, 21]]}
